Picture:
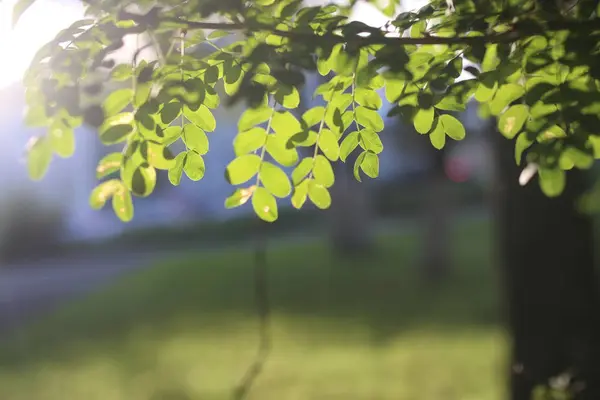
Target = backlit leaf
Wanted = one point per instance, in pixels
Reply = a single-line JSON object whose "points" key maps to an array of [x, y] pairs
{"points": [[194, 166], [242, 169], [195, 139], [452, 126], [239, 197], [512, 120], [323, 172], [264, 205], [319, 195], [275, 180]]}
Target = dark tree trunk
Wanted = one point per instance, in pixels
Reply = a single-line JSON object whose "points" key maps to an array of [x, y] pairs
{"points": [[350, 214], [436, 214], [547, 259]]}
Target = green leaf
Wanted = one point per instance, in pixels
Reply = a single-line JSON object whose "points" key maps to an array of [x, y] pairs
{"points": [[176, 171], [323, 172], [249, 141], [488, 85], [19, 9], [254, 116], [369, 119], [552, 181], [264, 204], [368, 98], [122, 204], [242, 169], [275, 180], [512, 120], [370, 164], [452, 126], [319, 195], [349, 143], [169, 112], [438, 135], [277, 147], [288, 97], [521, 144], [393, 89], [195, 139], [140, 180], [117, 101], [159, 156], [284, 123], [109, 164], [423, 119], [370, 140], [203, 118], [39, 156], [313, 116], [194, 166], [62, 140], [329, 145], [302, 170], [103, 192], [505, 95], [239, 197], [300, 194], [357, 163], [217, 34], [116, 129]]}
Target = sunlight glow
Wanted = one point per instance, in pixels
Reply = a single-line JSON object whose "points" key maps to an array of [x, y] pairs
{"points": [[38, 25]]}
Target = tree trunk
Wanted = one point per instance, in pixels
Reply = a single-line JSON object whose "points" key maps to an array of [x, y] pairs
{"points": [[350, 215], [551, 287], [437, 214]]}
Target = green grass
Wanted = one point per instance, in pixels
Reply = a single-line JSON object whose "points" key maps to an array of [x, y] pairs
{"points": [[360, 329]]}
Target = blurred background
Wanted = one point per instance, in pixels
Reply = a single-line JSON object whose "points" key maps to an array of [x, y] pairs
{"points": [[393, 293]]}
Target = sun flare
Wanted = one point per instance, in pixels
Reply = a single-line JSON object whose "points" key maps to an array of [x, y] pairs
{"points": [[38, 25]]}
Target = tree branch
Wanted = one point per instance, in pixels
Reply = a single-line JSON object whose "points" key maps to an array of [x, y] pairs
{"points": [[521, 30]]}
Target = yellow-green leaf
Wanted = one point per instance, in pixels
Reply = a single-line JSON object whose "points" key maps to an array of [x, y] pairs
{"points": [[239, 197], [275, 180], [423, 119], [370, 165], [249, 141], [203, 118], [328, 144], [122, 204], [117, 101], [264, 204], [512, 120], [194, 166], [176, 171], [302, 170], [103, 192], [300, 194], [452, 126], [109, 164], [323, 172], [242, 168], [39, 155], [62, 139], [319, 195], [195, 139]]}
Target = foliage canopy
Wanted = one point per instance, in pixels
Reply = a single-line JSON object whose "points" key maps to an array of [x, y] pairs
{"points": [[537, 71]]}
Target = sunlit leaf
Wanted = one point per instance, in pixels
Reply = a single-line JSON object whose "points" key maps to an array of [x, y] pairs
{"points": [[512, 120], [264, 205], [242, 169], [239, 197], [39, 155], [319, 195], [194, 166], [109, 164]]}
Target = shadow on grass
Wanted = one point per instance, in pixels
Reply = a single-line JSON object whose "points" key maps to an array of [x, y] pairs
{"points": [[382, 294]]}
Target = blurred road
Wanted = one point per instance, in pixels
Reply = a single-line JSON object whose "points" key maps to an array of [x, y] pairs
{"points": [[31, 290]]}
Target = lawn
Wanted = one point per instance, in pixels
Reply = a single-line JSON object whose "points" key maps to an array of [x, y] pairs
{"points": [[351, 330]]}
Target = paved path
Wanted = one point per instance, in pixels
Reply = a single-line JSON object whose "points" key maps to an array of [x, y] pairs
{"points": [[34, 290]]}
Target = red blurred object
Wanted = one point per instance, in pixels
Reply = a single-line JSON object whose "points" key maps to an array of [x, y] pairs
{"points": [[457, 170]]}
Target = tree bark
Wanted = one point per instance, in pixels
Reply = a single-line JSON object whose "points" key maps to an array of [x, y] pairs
{"points": [[350, 215], [437, 220], [551, 287]]}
